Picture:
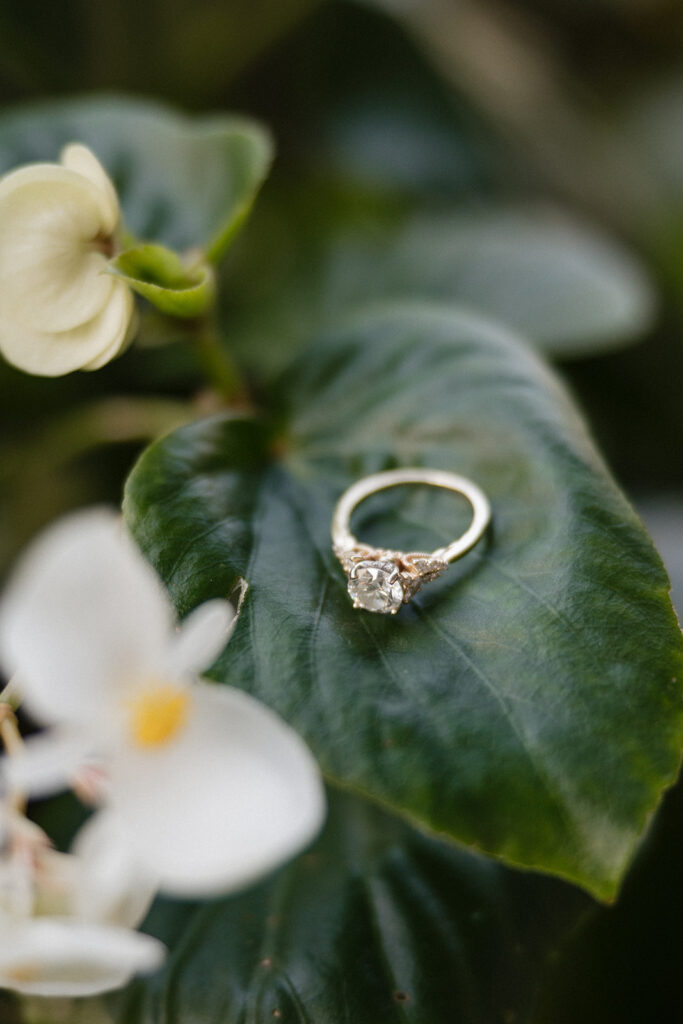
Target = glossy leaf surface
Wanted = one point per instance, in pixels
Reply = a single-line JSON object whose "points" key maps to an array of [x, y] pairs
{"points": [[527, 703]]}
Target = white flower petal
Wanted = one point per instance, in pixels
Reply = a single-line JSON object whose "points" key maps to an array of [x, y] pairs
{"points": [[120, 343], [229, 799], [88, 346], [16, 890], [62, 957], [48, 762], [84, 615], [79, 158], [51, 273], [113, 887], [201, 638], [54, 877]]}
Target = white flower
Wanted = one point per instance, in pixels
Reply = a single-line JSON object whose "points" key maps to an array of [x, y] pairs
{"points": [[66, 919], [61, 311], [211, 788]]}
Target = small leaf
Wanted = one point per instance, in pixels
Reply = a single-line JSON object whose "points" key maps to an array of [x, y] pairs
{"points": [[184, 182], [529, 702], [161, 277], [378, 924]]}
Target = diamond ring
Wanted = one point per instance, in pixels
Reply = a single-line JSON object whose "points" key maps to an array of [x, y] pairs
{"points": [[380, 579]]}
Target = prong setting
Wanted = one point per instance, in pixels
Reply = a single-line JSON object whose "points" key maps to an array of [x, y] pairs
{"points": [[375, 585], [381, 581]]}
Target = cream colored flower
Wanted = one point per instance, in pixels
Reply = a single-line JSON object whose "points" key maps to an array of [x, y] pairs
{"points": [[59, 309]]}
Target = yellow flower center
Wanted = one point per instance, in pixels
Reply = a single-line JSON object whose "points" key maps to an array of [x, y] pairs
{"points": [[157, 713]]}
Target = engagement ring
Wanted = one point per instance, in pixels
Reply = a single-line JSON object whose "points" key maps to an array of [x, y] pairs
{"points": [[381, 579]]}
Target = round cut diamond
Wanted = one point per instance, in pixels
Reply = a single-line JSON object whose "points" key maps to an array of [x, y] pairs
{"points": [[376, 586]]}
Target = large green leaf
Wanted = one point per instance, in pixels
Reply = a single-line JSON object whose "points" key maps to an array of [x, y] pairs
{"points": [[182, 181], [527, 703], [377, 924]]}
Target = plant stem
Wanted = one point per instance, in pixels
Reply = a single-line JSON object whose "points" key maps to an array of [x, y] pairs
{"points": [[13, 744], [10, 694], [218, 365], [9, 730]]}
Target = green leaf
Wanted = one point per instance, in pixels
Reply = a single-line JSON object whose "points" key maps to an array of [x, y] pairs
{"points": [[567, 287], [169, 283], [184, 182], [528, 702], [377, 924], [562, 284]]}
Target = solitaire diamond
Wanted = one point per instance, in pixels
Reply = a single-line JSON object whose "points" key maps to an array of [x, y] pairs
{"points": [[376, 586]]}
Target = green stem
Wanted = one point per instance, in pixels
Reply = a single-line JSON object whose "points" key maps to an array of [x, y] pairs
{"points": [[218, 365]]}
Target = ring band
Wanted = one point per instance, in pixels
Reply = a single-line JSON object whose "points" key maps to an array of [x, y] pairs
{"points": [[381, 579]]}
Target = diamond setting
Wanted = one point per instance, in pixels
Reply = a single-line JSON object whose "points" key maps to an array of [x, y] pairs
{"points": [[380, 580], [376, 586]]}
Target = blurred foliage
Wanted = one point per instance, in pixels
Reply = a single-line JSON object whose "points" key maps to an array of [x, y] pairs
{"points": [[190, 51], [563, 286], [622, 964]]}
